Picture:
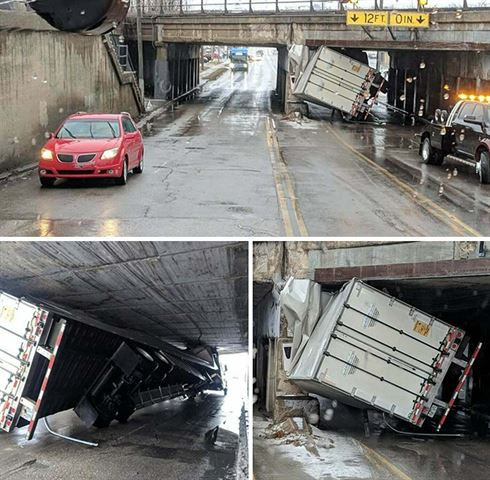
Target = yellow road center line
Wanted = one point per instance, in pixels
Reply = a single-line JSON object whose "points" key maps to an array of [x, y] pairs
{"points": [[281, 198], [284, 185], [426, 203], [377, 459], [297, 212]]}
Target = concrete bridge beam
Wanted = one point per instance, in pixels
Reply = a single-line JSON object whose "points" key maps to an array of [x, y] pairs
{"points": [[449, 30]]}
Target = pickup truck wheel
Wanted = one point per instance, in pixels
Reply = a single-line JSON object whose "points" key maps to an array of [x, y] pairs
{"points": [[484, 170], [430, 155]]}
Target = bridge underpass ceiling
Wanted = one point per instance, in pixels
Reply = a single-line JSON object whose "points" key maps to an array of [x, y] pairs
{"points": [[176, 291]]}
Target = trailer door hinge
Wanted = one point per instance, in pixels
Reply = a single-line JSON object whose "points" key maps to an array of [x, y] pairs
{"points": [[44, 352]]}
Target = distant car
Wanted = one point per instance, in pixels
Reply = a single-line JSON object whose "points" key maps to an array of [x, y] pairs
{"points": [[462, 136], [92, 146]]}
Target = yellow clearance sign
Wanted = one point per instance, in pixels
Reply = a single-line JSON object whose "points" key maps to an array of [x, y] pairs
{"points": [[372, 18], [375, 18], [409, 19]]}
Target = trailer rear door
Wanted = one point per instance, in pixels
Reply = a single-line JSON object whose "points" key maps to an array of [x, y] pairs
{"points": [[335, 80], [21, 325]]}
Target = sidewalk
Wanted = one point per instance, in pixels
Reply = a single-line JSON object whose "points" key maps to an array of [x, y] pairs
{"points": [[212, 71]]}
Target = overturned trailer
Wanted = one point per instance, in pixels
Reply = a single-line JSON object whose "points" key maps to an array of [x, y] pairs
{"points": [[338, 81], [368, 349], [51, 361]]}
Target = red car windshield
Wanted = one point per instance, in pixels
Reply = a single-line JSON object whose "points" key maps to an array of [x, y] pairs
{"points": [[89, 129]]}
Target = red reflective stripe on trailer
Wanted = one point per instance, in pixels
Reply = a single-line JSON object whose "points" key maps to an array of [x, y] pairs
{"points": [[415, 414], [33, 422], [45, 381], [5, 408], [451, 336], [35, 329], [460, 384], [443, 419]]}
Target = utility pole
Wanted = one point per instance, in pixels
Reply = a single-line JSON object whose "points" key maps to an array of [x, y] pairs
{"points": [[139, 34]]}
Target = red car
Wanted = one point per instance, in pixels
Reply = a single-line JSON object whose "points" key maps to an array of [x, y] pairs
{"points": [[92, 146]]}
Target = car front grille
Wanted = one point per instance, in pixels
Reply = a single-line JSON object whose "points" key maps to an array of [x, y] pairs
{"points": [[76, 172], [62, 157], [86, 158]]}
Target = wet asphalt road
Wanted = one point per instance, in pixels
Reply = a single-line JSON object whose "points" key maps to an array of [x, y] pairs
{"points": [[353, 179], [207, 173], [346, 456], [224, 165]]}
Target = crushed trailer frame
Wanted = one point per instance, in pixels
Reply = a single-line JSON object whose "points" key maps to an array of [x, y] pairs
{"points": [[51, 362], [370, 350], [335, 80]]}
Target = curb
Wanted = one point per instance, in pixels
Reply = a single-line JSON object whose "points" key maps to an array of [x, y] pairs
{"points": [[16, 172]]}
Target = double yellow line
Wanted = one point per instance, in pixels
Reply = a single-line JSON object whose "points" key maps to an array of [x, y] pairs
{"points": [[379, 460], [292, 218]]}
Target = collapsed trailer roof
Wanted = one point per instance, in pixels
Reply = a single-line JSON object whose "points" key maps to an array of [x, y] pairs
{"points": [[183, 292]]}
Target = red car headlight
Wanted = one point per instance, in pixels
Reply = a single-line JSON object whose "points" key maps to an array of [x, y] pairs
{"points": [[109, 154], [47, 154]]}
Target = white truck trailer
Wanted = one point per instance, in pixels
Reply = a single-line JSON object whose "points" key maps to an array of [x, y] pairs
{"points": [[371, 350], [335, 80]]}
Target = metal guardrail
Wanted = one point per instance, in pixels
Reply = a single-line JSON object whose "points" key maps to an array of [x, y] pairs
{"points": [[183, 7]]}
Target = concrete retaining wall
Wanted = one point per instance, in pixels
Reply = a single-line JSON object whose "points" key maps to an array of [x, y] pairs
{"points": [[46, 75]]}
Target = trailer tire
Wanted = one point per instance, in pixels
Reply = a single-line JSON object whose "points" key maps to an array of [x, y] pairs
{"points": [[102, 422], [124, 413], [430, 155], [484, 170]]}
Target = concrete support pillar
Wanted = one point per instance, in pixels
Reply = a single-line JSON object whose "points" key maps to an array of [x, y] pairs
{"points": [[438, 82], [163, 74], [176, 70], [285, 85], [281, 82], [150, 53]]}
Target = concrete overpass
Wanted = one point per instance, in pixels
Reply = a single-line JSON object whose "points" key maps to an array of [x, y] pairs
{"points": [[455, 47], [449, 30]]}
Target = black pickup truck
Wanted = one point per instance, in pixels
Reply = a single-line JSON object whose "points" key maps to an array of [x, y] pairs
{"points": [[463, 136]]}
